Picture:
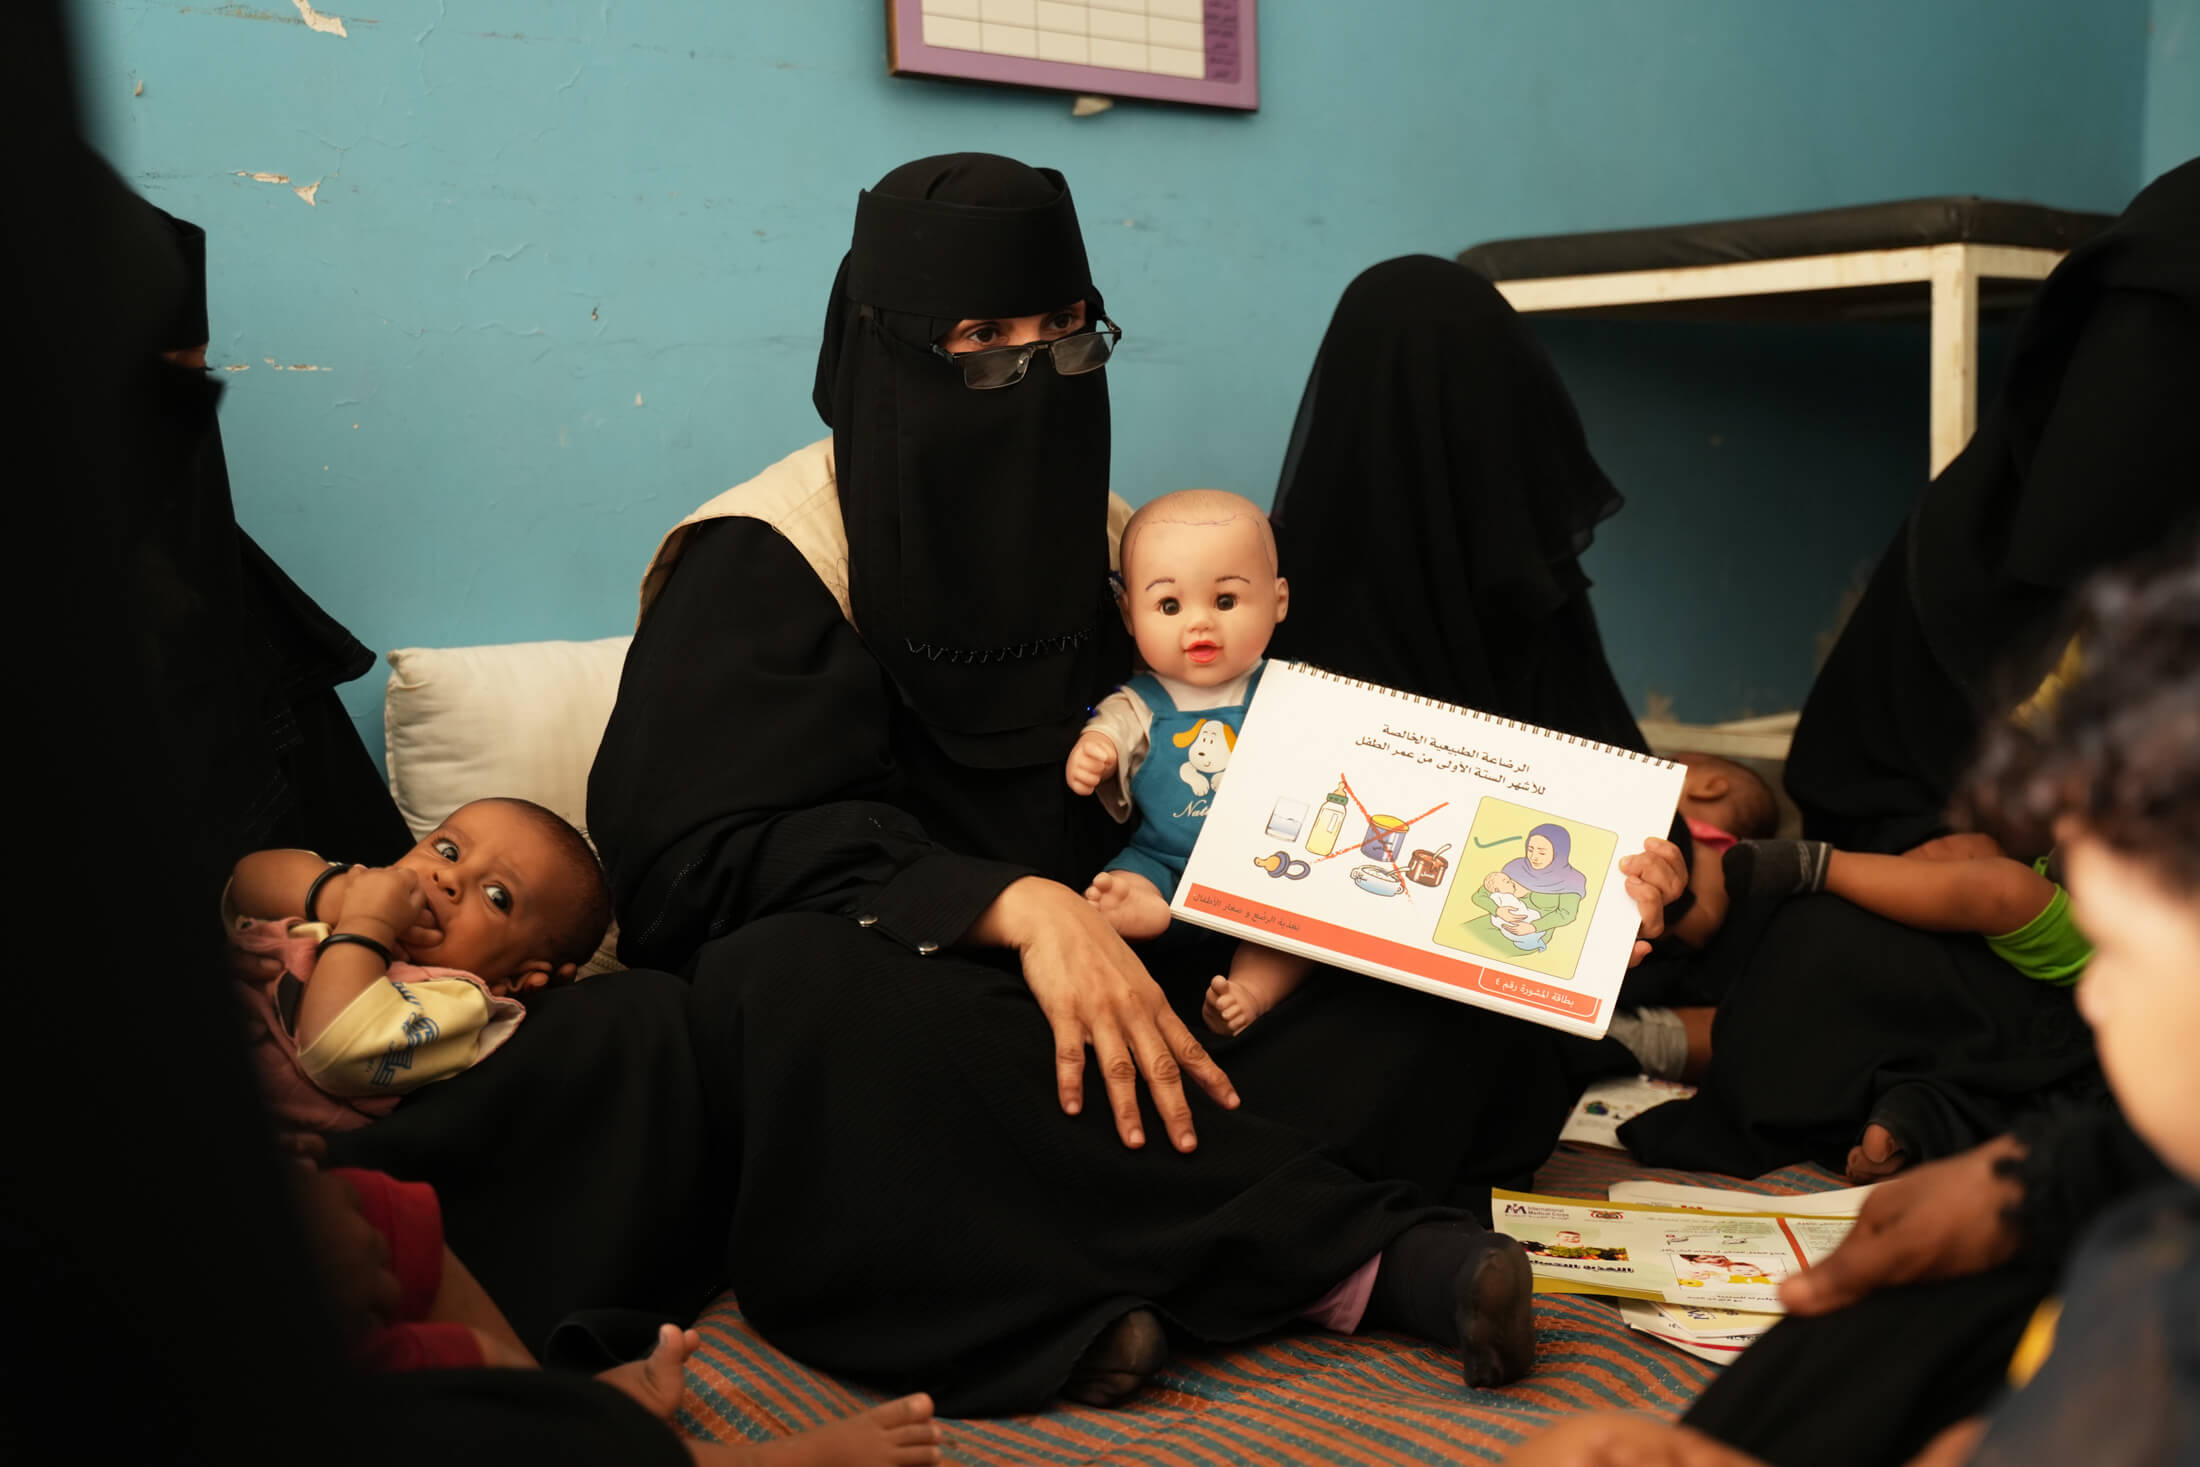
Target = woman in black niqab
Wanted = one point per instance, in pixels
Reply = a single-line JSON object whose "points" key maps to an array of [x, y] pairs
{"points": [[2085, 458], [849, 826], [1435, 500], [1436, 497], [979, 584]]}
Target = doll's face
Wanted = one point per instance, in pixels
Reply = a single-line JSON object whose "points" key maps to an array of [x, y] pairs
{"points": [[1202, 599], [1497, 883]]}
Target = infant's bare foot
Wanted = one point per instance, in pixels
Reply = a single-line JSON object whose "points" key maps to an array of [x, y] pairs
{"points": [[1877, 1157], [1131, 904], [1230, 1007], [898, 1434], [659, 1379]]}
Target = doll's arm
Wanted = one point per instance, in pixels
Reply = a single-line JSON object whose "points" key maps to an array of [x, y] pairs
{"points": [[1124, 721], [1091, 760]]}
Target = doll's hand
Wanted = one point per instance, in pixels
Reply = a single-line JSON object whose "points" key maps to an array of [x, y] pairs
{"points": [[1091, 761], [387, 896]]}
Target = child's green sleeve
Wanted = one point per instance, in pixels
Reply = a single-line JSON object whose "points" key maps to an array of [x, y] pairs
{"points": [[2050, 947]]}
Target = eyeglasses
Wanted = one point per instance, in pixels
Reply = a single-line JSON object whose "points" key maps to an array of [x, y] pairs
{"points": [[1004, 366]]}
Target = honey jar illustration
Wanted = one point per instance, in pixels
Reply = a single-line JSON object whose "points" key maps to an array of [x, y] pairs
{"points": [[1427, 868]]}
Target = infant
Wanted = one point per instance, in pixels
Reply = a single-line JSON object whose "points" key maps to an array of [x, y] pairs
{"points": [[504, 897]]}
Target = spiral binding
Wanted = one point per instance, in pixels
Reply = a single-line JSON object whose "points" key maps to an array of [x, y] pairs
{"points": [[1549, 733]]}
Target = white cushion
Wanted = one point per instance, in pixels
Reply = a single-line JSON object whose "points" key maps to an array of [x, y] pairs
{"points": [[523, 719]]}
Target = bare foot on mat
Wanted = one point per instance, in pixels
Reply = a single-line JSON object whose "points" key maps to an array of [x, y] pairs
{"points": [[898, 1434], [1877, 1156], [660, 1378]]}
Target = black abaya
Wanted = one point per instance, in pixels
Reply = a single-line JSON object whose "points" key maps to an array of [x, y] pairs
{"points": [[2085, 458], [890, 1106], [163, 1305], [1832, 1017], [1876, 1381], [576, 1173]]}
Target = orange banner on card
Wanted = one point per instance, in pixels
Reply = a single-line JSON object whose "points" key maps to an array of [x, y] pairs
{"points": [[1352, 944]]}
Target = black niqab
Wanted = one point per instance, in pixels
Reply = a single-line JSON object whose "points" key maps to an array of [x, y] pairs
{"points": [[2022, 515], [255, 677], [1438, 460], [2084, 459], [977, 521]]}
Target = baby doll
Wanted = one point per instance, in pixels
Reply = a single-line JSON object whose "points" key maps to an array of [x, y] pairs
{"points": [[1201, 597], [504, 896]]}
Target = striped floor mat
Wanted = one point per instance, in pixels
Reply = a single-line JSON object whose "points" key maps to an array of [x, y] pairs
{"points": [[1305, 1397]]}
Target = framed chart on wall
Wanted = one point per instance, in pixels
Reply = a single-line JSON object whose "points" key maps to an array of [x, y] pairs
{"points": [[1202, 52]]}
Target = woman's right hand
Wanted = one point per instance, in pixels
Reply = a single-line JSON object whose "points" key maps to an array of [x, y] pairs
{"points": [[1097, 995], [1942, 1220]]}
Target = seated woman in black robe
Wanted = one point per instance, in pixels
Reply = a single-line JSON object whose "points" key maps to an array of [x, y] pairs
{"points": [[830, 793], [1852, 1040]]}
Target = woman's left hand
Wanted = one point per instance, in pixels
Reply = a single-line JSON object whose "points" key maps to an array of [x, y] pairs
{"points": [[1656, 875]]}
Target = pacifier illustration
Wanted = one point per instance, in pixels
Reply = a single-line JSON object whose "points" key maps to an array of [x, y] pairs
{"points": [[1282, 864]]}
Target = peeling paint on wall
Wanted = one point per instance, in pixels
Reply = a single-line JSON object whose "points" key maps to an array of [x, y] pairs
{"points": [[308, 192], [496, 255], [294, 366], [264, 177], [238, 11], [327, 25]]}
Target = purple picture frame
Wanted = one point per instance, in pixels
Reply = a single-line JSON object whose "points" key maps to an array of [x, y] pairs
{"points": [[1233, 62]]}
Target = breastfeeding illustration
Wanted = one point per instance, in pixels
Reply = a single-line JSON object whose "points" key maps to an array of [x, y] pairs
{"points": [[1527, 902], [1528, 897]]}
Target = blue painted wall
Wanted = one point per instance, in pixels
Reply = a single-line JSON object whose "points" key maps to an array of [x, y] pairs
{"points": [[564, 266], [2170, 133]]}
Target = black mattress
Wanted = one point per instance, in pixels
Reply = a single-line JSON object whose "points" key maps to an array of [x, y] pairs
{"points": [[1902, 225]]}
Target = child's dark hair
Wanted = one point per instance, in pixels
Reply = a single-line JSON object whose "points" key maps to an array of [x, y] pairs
{"points": [[2119, 750], [1756, 808], [576, 930]]}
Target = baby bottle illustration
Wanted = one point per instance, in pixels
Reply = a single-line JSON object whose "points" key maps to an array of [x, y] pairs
{"points": [[1323, 839]]}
